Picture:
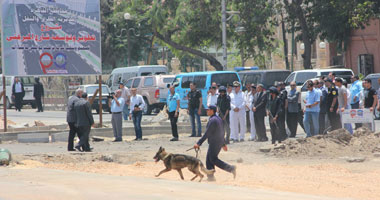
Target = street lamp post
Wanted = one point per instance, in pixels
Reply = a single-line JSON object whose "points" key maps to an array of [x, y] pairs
{"points": [[127, 18]]}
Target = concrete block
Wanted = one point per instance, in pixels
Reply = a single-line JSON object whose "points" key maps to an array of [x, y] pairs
{"points": [[60, 137], [33, 138]]}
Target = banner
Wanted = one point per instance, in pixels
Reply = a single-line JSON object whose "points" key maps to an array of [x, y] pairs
{"points": [[51, 37], [364, 116]]}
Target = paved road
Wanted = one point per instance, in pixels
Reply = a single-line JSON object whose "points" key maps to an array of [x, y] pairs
{"points": [[56, 184]]}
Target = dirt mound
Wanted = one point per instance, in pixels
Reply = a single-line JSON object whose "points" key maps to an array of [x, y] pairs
{"points": [[338, 143]]}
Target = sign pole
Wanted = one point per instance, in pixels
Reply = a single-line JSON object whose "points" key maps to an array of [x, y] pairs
{"points": [[5, 104], [100, 102]]}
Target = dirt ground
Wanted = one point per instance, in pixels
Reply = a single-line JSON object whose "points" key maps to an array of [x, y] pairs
{"points": [[318, 174]]}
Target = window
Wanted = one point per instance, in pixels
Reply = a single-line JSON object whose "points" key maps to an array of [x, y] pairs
{"points": [[92, 89], [27, 81], [224, 78], [272, 77], [290, 78], [186, 80], [338, 73], [168, 80], [200, 81], [302, 77], [253, 78], [136, 83], [304, 88], [158, 73], [117, 79], [129, 83], [148, 81], [109, 82], [146, 73]]}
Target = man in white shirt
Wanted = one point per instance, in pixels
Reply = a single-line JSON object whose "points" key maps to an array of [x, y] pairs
{"points": [[125, 94], [18, 93], [249, 102], [247, 93], [137, 105], [237, 114], [212, 97]]}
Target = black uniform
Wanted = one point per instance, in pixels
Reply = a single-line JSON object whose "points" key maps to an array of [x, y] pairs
{"points": [[193, 107], [38, 93], [323, 111], [260, 102], [281, 118], [215, 135], [275, 110], [224, 105], [334, 118]]}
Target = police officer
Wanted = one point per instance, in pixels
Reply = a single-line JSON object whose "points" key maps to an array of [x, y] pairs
{"points": [[215, 135], [224, 106], [173, 109], [237, 117], [274, 111], [332, 105], [283, 96]]}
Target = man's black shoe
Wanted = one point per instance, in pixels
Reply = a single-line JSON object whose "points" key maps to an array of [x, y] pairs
{"points": [[174, 139], [192, 136], [117, 140], [199, 135], [70, 149], [78, 148]]}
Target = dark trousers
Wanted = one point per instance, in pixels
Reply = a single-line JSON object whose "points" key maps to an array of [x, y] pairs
{"points": [[248, 122], [291, 121], [281, 126], [261, 131], [322, 123], [85, 134], [18, 101], [73, 131], [356, 106], [275, 132], [300, 117], [136, 117], [334, 120], [226, 125], [39, 103], [212, 159], [173, 123]]}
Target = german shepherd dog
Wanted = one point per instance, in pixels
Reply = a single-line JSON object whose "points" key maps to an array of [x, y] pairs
{"points": [[179, 161]]}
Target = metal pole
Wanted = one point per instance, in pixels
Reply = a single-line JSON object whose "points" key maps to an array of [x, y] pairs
{"points": [[100, 103], [5, 104], [293, 46], [129, 47], [224, 34]]}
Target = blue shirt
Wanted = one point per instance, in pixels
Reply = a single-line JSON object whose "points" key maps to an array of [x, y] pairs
{"points": [[355, 90], [115, 107], [171, 102], [312, 97]]}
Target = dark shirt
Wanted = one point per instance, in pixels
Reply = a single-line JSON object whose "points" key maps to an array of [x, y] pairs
{"points": [[83, 113], [323, 103], [283, 96], [332, 93], [71, 115], [38, 90], [224, 103], [260, 102], [214, 132], [368, 97], [275, 106], [193, 98]]}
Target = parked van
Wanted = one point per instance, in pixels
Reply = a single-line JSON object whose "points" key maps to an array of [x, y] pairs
{"points": [[203, 81], [303, 75], [265, 77], [122, 74], [153, 89], [28, 87]]}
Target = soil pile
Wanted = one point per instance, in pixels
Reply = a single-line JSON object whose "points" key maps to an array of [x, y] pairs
{"points": [[336, 143]]}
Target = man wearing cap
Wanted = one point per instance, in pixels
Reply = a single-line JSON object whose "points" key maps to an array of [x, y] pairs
{"points": [[332, 105], [125, 94], [237, 116], [224, 106], [172, 103], [250, 101], [274, 111], [215, 135], [259, 109], [311, 119]]}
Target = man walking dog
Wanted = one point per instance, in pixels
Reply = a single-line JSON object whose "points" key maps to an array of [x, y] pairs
{"points": [[215, 136]]}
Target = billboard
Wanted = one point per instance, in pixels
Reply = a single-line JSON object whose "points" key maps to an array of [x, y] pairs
{"points": [[51, 37]]}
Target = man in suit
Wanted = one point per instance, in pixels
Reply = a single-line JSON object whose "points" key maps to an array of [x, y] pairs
{"points": [[84, 122], [18, 93], [71, 118], [259, 109], [38, 93]]}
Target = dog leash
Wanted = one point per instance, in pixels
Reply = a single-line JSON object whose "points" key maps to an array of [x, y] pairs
{"points": [[197, 151]]}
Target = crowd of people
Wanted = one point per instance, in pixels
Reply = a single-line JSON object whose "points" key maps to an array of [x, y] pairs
{"points": [[245, 111]]}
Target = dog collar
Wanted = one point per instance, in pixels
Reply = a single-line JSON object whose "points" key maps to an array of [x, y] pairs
{"points": [[167, 155]]}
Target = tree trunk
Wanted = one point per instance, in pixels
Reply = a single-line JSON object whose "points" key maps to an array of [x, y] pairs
{"points": [[213, 61], [285, 42], [306, 38]]}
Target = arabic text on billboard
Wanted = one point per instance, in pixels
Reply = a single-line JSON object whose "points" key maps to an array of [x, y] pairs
{"points": [[51, 37]]}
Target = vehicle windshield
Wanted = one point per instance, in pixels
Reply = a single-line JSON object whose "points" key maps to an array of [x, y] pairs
{"points": [[224, 78], [91, 89], [304, 76]]}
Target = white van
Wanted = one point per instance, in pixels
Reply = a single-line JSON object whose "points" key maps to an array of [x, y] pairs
{"points": [[28, 87], [122, 74], [301, 76]]}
